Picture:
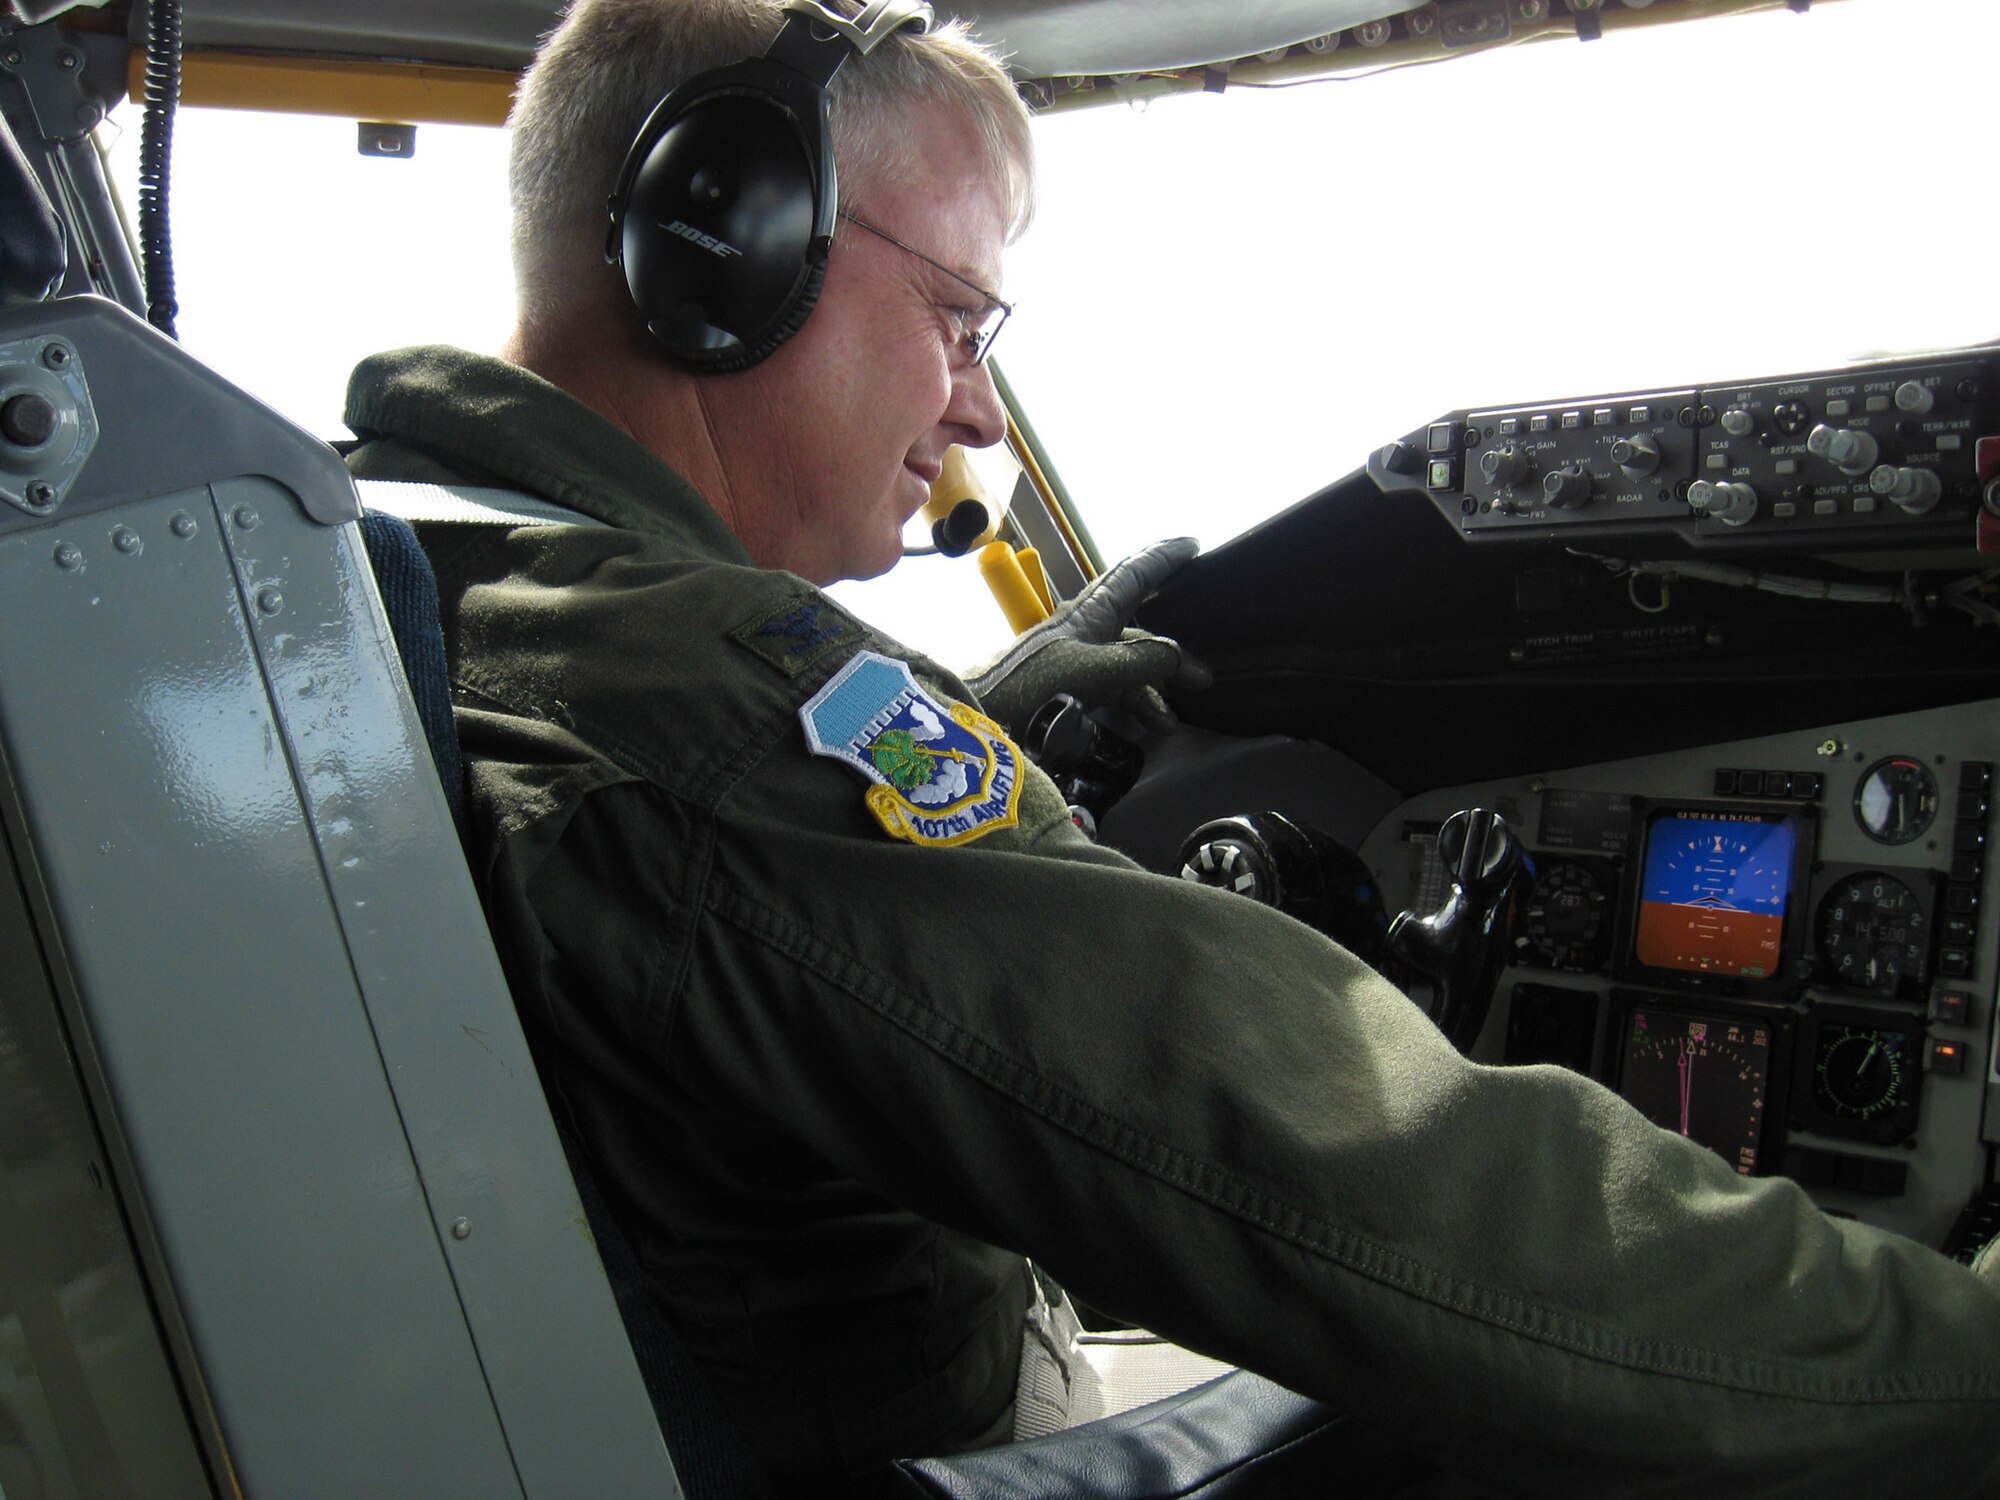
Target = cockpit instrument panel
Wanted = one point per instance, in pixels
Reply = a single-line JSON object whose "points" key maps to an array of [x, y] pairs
{"points": [[1701, 1074], [1781, 947], [1896, 800], [1873, 930], [1713, 903], [1863, 1072], [1566, 922]]}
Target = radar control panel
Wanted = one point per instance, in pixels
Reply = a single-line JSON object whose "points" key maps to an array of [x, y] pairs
{"points": [[1899, 453]]}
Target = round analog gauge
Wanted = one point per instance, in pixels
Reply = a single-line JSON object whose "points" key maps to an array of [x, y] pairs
{"points": [[1896, 800], [1861, 1072], [1565, 917], [1873, 934]]}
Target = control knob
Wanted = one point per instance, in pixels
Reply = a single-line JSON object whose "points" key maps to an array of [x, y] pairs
{"points": [[1915, 398], [1506, 464], [29, 420], [1738, 422], [1915, 490], [1848, 449], [1730, 501], [1636, 457], [1566, 488]]}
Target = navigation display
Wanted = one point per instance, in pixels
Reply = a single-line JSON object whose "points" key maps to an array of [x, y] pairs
{"points": [[1703, 1076], [1715, 890]]}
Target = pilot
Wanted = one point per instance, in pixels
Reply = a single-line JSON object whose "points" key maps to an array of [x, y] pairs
{"points": [[849, 1017]]}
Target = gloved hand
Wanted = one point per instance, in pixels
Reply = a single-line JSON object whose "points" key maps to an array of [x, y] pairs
{"points": [[1084, 649]]}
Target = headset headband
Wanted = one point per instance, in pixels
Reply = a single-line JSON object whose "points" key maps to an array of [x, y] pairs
{"points": [[877, 22]]}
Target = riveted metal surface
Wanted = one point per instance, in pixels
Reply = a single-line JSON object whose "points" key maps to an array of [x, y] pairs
{"points": [[153, 445], [465, 1083], [288, 985], [224, 1010]]}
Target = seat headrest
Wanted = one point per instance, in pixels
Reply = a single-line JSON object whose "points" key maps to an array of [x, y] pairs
{"points": [[33, 253]]}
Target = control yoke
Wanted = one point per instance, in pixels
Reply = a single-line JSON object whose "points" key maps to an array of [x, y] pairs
{"points": [[1461, 945]]}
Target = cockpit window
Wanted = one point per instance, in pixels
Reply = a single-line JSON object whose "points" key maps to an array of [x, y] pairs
{"points": [[1227, 301], [295, 255]]}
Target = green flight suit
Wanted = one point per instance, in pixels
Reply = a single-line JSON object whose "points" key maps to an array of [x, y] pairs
{"points": [[825, 1072]]}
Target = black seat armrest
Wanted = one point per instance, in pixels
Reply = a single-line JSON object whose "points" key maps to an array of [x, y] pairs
{"points": [[1236, 1436]]}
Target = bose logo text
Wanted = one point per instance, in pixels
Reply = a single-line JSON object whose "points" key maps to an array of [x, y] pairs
{"points": [[707, 242]]}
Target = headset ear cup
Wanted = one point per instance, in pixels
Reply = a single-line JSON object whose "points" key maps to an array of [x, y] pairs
{"points": [[724, 211], [790, 322]]}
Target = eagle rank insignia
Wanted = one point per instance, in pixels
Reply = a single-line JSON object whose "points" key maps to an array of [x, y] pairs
{"points": [[943, 774]]}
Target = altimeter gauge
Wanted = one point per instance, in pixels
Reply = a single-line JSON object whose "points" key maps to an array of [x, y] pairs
{"points": [[1872, 932]]}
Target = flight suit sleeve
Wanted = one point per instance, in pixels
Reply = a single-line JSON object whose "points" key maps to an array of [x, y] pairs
{"points": [[1209, 1119]]}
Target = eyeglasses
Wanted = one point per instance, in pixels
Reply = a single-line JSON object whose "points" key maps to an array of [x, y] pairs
{"points": [[978, 329]]}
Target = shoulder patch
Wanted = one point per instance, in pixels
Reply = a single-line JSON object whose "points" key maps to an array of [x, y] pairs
{"points": [[942, 774], [804, 629]]}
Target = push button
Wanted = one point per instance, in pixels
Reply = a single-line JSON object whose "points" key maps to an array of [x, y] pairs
{"points": [[1945, 1057], [1951, 1008]]}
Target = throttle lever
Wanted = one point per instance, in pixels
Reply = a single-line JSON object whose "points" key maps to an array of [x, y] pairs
{"points": [[1461, 946]]}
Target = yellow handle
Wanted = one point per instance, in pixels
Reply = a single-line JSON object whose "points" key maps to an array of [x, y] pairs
{"points": [[1016, 596], [1038, 578]]}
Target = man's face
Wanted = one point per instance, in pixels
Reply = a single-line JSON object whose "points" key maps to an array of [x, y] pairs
{"points": [[831, 444]]}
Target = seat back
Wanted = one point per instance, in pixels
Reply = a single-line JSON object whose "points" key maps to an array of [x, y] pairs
{"points": [[710, 1457], [256, 996]]}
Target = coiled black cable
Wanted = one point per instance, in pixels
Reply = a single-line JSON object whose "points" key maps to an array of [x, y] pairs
{"points": [[156, 145]]}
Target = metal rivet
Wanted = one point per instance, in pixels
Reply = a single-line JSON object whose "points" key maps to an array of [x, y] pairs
{"points": [[270, 601], [182, 524], [55, 356], [13, 57], [461, 1229], [1420, 23], [41, 494], [68, 556], [66, 59], [244, 517], [126, 540]]}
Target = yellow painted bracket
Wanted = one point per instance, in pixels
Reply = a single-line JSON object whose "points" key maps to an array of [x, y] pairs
{"points": [[400, 93]]}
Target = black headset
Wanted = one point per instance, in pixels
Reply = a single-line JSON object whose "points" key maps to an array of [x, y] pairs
{"points": [[724, 211]]}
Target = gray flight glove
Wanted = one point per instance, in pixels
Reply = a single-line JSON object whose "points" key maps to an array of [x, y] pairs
{"points": [[1084, 649]]}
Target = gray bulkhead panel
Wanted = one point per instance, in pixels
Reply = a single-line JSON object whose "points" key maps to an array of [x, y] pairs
{"points": [[290, 1008], [88, 1402]]}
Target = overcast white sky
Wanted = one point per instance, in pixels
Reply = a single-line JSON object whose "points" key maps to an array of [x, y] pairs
{"points": [[1228, 300]]}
